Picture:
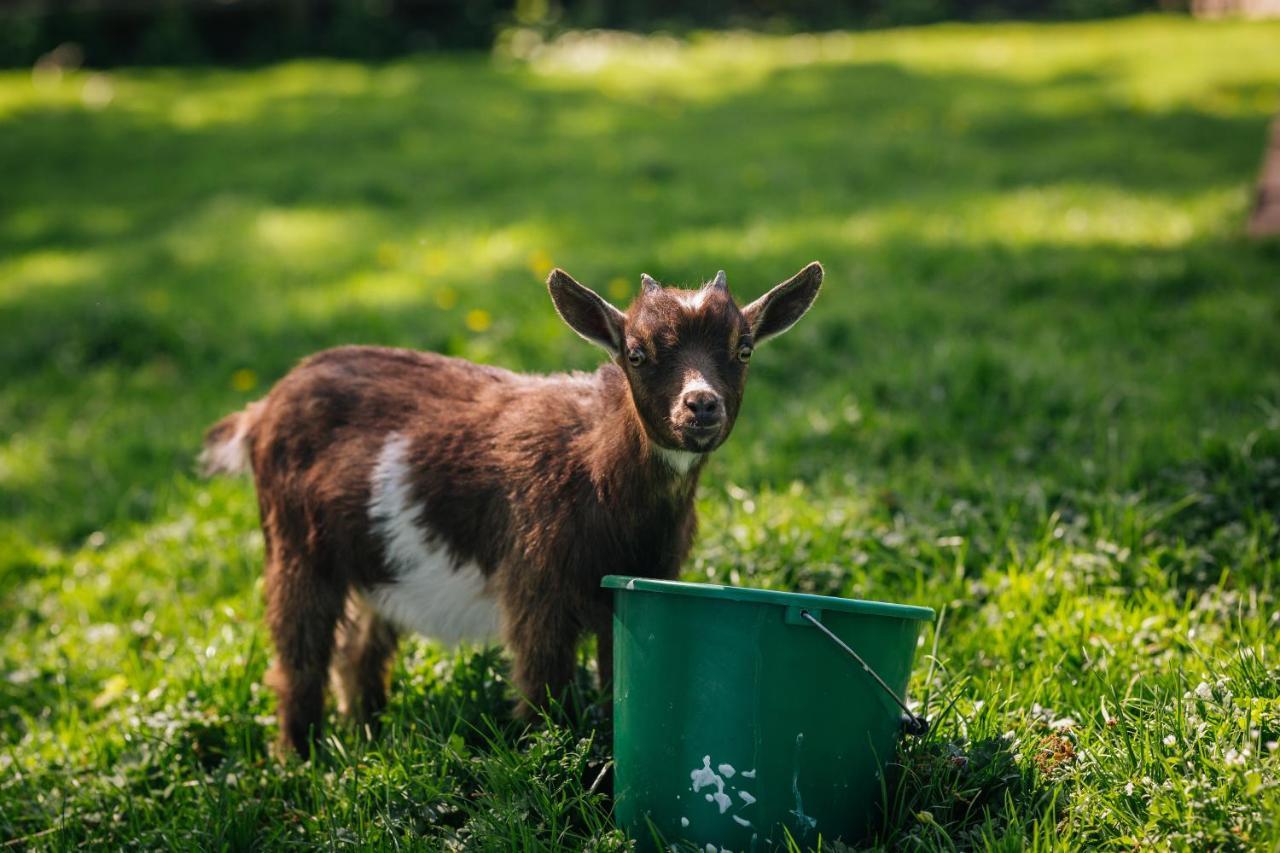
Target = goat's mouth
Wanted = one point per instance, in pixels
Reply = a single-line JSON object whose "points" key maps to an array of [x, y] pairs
{"points": [[700, 437]]}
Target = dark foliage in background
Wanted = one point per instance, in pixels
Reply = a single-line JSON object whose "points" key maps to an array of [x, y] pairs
{"points": [[167, 32]]}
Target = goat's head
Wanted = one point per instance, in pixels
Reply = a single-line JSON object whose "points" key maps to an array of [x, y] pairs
{"points": [[685, 352]]}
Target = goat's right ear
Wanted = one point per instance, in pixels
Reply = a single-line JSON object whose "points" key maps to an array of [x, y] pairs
{"points": [[585, 312]]}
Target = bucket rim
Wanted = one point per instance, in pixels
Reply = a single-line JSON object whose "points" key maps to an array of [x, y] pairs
{"points": [[751, 595]]}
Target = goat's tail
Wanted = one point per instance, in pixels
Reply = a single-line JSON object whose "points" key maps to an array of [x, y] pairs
{"points": [[226, 444]]}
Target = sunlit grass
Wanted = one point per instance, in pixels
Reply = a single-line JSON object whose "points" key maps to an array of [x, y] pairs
{"points": [[1041, 389]]}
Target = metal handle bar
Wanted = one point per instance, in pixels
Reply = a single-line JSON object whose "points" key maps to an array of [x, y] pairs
{"points": [[912, 723]]}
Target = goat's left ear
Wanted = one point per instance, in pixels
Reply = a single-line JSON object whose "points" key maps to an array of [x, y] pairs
{"points": [[780, 308], [585, 312]]}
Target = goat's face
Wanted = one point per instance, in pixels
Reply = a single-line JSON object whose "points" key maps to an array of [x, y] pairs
{"points": [[685, 352]]}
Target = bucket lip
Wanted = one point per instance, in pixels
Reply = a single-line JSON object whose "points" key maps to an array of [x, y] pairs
{"points": [[628, 583]]}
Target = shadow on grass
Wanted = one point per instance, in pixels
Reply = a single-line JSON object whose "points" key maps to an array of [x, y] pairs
{"points": [[231, 219], [1038, 333]]}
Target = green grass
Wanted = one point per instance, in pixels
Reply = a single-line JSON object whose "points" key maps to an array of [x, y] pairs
{"points": [[1041, 390]]}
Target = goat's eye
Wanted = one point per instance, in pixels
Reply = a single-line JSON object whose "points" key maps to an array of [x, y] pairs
{"points": [[744, 353], [635, 355]]}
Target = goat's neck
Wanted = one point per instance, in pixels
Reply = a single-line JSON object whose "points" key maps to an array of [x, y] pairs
{"points": [[622, 450]]}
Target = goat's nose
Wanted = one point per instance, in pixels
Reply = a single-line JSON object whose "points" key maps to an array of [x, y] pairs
{"points": [[706, 406]]}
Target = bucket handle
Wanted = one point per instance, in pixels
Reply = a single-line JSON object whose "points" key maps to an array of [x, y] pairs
{"points": [[912, 723]]}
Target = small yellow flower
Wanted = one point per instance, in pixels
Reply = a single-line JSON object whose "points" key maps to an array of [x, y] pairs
{"points": [[435, 262], [446, 298], [478, 320], [112, 689], [540, 263], [619, 288], [244, 379]]}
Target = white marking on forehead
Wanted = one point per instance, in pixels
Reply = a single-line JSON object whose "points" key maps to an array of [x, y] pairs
{"points": [[693, 300], [429, 594], [679, 461]]}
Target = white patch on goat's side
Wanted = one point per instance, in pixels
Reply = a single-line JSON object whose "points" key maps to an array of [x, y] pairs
{"points": [[428, 595], [680, 461]]}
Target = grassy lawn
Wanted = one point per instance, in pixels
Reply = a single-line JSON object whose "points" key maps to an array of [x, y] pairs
{"points": [[1041, 390]]}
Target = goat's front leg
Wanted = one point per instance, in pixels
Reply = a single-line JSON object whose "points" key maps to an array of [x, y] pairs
{"points": [[604, 666], [541, 637]]}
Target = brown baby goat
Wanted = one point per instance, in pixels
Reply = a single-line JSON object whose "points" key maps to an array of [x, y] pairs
{"points": [[408, 491]]}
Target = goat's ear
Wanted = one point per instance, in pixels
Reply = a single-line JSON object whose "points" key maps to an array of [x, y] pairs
{"points": [[585, 312], [780, 308]]}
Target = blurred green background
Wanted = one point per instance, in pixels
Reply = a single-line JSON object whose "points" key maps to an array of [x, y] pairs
{"points": [[1041, 389], [114, 32]]}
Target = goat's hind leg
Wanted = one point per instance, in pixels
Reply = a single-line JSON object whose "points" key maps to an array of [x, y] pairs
{"points": [[302, 612], [364, 646]]}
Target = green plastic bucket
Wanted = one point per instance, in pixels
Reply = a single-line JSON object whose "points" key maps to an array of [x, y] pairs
{"points": [[736, 720]]}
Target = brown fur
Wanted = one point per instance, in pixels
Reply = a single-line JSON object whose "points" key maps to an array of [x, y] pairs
{"points": [[546, 483]]}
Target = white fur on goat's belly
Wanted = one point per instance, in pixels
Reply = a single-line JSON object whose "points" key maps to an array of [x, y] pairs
{"points": [[429, 594]]}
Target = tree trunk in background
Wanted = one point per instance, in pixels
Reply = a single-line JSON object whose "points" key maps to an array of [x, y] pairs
{"points": [[1244, 8], [1265, 220]]}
